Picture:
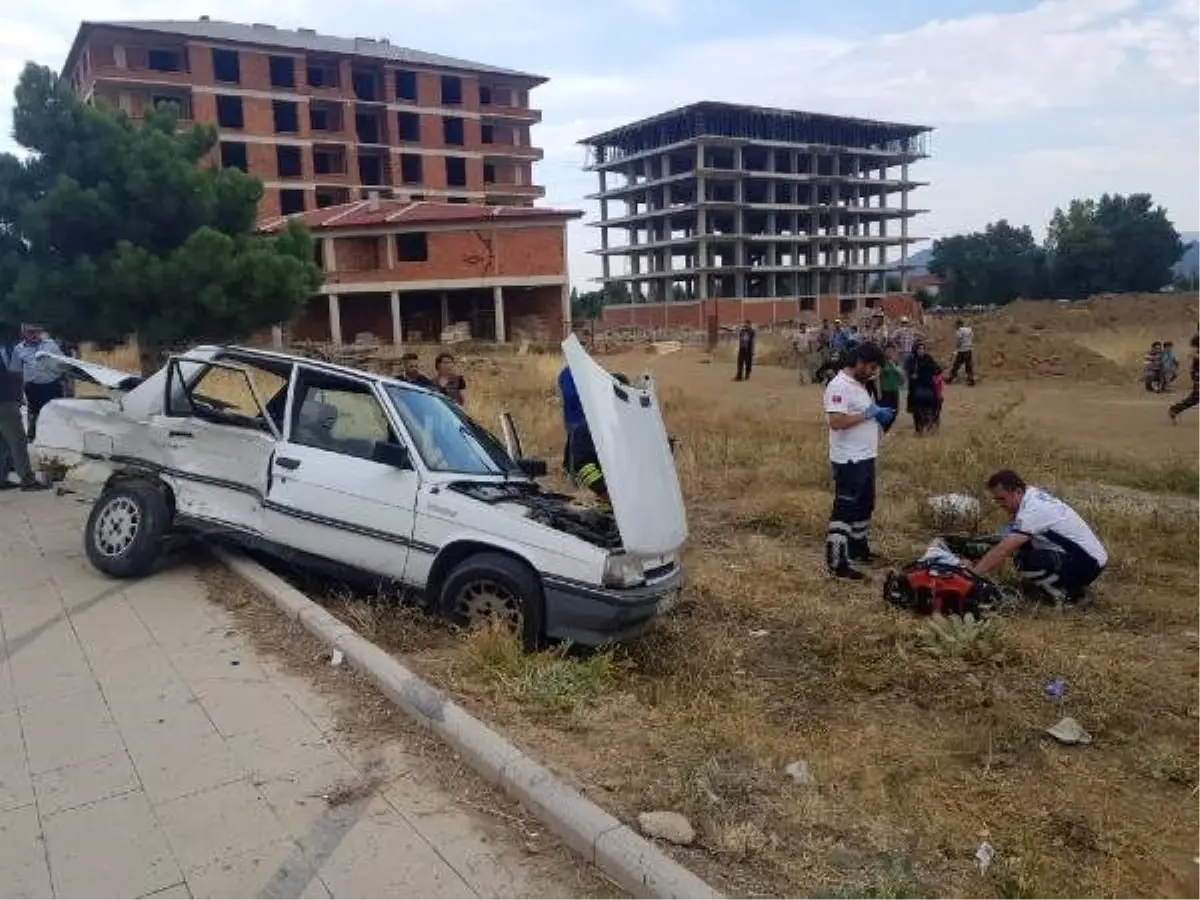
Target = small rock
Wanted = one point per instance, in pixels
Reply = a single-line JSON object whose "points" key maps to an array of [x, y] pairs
{"points": [[759, 632], [667, 826], [800, 772], [335, 658], [984, 854], [1068, 731]]}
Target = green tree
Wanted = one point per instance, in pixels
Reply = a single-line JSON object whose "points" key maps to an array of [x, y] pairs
{"points": [[586, 305], [110, 228], [1116, 243], [989, 267]]}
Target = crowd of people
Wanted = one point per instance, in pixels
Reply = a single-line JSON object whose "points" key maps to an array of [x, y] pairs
{"points": [[826, 350]]}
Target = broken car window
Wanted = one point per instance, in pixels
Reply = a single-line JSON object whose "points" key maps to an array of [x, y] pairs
{"points": [[340, 416], [447, 439]]}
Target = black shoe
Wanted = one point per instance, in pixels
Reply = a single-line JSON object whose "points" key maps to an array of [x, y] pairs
{"points": [[861, 553], [849, 573], [35, 486], [7, 485]]}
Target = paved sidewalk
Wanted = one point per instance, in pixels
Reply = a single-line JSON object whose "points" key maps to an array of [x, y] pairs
{"points": [[147, 750]]}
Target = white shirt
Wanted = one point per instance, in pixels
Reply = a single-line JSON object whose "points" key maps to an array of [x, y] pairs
{"points": [[846, 395], [964, 338], [1049, 522]]}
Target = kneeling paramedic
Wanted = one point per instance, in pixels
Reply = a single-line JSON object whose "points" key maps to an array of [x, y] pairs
{"points": [[854, 424], [579, 455], [1050, 546]]}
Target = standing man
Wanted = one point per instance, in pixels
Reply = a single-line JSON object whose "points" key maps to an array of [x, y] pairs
{"points": [[905, 337], [964, 353], [1193, 398], [12, 430], [1050, 545], [447, 379], [40, 386], [854, 423], [411, 372], [745, 351], [804, 343]]}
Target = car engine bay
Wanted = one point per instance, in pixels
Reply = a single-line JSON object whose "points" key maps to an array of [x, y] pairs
{"points": [[557, 511]]}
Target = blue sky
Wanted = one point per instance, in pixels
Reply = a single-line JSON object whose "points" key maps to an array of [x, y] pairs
{"points": [[1034, 103]]}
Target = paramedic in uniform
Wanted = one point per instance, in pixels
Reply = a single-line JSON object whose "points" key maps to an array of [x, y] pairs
{"points": [[854, 423], [1050, 545]]}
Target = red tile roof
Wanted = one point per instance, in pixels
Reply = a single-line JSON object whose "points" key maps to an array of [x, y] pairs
{"points": [[916, 282], [383, 213]]}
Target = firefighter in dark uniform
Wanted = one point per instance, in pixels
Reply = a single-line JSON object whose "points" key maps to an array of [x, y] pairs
{"points": [[579, 456]]}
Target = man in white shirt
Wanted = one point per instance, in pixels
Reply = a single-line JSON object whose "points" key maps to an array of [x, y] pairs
{"points": [[964, 353], [1050, 545], [854, 423]]}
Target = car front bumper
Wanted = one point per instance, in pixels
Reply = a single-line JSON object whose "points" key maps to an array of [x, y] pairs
{"points": [[592, 615]]}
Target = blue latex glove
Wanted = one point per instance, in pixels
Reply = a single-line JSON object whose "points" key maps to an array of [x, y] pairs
{"points": [[884, 415]]}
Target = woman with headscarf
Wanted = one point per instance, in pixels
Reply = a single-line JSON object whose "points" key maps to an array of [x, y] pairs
{"points": [[923, 403]]}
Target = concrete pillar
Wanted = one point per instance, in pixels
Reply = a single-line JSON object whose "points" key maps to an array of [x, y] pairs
{"points": [[566, 308], [498, 306], [397, 322], [445, 310], [904, 228], [335, 319], [329, 253], [277, 337], [605, 261]]}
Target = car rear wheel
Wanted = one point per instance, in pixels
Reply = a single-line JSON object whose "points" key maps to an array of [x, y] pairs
{"points": [[125, 532], [494, 587]]}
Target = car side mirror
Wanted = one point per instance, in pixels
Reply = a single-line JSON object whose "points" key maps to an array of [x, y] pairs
{"points": [[533, 468], [394, 455]]}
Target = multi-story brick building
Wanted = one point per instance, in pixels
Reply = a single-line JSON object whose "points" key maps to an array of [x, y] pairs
{"points": [[322, 120], [403, 270]]}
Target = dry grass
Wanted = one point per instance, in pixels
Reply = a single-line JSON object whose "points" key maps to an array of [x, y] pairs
{"points": [[917, 756]]}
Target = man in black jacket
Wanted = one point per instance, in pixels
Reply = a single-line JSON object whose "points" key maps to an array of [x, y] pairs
{"points": [[1193, 398], [745, 351], [12, 429]]}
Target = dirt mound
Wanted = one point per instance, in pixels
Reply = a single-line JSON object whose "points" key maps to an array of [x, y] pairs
{"points": [[1027, 354], [1166, 312]]}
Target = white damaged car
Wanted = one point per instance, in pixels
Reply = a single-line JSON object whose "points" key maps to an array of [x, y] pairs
{"points": [[333, 468]]}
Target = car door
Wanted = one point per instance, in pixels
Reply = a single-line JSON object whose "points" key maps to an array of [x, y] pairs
{"points": [[342, 485], [216, 438]]}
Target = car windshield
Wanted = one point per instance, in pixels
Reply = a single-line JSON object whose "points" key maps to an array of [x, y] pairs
{"points": [[447, 439]]}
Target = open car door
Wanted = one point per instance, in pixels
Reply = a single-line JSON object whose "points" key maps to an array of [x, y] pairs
{"points": [[62, 365], [217, 434]]}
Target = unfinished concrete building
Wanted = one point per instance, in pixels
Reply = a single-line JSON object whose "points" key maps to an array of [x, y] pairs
{"points": [[744, 212]]}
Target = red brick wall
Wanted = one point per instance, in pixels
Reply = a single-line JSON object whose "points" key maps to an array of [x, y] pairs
{"points": [[360, 255], [536, 250], [760, 312]]}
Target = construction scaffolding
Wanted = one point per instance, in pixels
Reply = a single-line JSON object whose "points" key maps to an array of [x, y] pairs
{"points": [[740, 202]]}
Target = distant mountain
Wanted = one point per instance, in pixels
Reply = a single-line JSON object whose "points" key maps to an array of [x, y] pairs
{"points": [[920, 261], [1189, 263]]}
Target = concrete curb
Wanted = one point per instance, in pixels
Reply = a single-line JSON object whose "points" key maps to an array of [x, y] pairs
{"points": [[619, 852]]}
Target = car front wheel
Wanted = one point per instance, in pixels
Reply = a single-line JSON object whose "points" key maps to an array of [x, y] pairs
{"points": [[126, 529], [495, 587]]}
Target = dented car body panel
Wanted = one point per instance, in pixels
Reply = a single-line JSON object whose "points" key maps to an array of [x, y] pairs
{"points": [[324, 463]]}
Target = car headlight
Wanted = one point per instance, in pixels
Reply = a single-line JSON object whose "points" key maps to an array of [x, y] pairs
{"points": [[623, 571]]}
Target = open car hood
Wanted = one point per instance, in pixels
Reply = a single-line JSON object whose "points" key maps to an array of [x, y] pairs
{"points": [[114, 379], [635, 455]]}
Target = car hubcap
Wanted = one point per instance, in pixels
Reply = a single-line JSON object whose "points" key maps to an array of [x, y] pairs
{"points": [[117, 526], [480, 601]]}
